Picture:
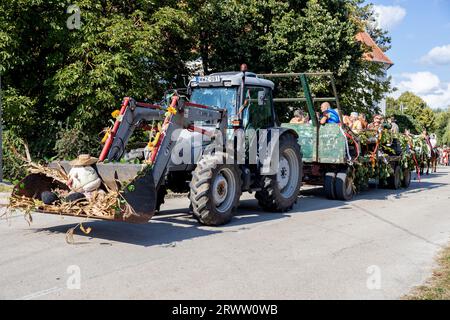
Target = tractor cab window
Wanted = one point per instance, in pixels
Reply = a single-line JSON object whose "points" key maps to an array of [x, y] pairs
{"points": [[221, 98], [258, 111]]}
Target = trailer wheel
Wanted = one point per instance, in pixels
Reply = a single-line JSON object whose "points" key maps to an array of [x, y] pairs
{"points": [[394, 181], [215, 190], [344, 187], [406, 182], [329, 185], [279, 192]]}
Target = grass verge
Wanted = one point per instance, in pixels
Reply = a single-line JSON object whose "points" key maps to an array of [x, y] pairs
{"points": [[438, 286]]}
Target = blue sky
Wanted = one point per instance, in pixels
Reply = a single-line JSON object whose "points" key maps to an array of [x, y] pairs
{"points": [[420, 31]]}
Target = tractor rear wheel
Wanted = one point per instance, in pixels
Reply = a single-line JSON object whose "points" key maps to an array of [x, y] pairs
{"points": [[215, 190], [344, 187], [279, 192], [395, 181]]}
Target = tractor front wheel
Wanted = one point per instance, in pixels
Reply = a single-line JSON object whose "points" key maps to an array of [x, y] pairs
{"points": [[215, 190]]}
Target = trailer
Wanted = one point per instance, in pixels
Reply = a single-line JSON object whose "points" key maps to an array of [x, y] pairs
{"points": [[333, 155]]}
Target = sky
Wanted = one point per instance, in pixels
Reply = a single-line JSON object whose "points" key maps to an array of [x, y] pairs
{"points": [[420, 32]]}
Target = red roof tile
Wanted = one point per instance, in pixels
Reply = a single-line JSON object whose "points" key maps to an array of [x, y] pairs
{"points": [[377, 55]]}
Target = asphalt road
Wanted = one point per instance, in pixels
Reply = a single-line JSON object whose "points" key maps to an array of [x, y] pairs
{"points": [[376, 247]]}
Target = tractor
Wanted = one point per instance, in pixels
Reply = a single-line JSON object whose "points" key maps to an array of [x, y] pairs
{"points": [[226, 132]]}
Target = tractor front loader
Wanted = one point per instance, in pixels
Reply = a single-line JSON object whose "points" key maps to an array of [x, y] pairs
{"points": [[137, 184]]}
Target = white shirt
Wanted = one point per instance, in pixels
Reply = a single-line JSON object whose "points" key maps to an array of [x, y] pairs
{"points": [[84, 179]]}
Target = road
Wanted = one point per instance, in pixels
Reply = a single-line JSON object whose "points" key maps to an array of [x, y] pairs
{"points": [[378, 246]]}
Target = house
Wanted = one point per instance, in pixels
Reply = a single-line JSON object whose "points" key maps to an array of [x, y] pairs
{"points": [[375, 55]]}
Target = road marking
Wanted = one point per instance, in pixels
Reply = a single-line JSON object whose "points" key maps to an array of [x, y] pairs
{"points": [[40, 293]]}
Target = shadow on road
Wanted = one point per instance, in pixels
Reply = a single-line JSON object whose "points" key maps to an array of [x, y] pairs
{"points": [[176, 225], [167, 228]]}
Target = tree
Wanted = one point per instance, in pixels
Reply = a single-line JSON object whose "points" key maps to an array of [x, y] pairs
{"points": [[295, 36], [443, 126], [77, 77], [418, 109], [421, 115]]}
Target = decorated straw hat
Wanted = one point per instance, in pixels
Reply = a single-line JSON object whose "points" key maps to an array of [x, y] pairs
{"points": [[83, 160]]}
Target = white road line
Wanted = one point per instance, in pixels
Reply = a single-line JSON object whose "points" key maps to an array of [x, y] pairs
{"points": [[40, 293]]}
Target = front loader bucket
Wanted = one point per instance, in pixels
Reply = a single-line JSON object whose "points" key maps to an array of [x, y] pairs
{"points": [[134, 182]]}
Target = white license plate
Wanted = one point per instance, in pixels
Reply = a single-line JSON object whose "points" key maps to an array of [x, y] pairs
{"points": [[209, 79]]}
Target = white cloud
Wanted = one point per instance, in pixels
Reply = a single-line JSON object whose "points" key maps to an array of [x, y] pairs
{"points": [[426, 85], [387, 17], [438, 56], [440, 99], [420, 82]]}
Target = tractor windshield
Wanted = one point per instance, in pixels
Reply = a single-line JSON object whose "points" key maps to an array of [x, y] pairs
{"points": [[223, 98]]}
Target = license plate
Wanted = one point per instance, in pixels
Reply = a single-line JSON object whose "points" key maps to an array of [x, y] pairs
{"points": [[209, 79]]}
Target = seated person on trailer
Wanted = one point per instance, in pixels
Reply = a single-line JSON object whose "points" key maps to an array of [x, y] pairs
{"points": [[299, 117], [329, 115], [376, 123], [363, 120], [356, 124]]}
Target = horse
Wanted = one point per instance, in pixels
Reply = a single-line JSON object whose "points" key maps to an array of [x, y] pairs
{"points": [[428, 157]]}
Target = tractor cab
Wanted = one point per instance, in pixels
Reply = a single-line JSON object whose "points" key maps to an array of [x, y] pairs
{"points": [[246, 97]]}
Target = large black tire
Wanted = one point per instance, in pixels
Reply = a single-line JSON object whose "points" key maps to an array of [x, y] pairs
{"points": [[406, 181], [212, 181], [394, 181], [344, 187], [329, 185], [271, 197]]}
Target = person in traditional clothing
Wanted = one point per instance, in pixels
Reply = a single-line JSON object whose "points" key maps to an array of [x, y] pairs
{"points": [[445, 155]]}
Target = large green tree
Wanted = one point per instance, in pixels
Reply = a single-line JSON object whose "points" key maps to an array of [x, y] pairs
{"points": [[443, 126], [295, 36], [415, 107], [57, 77]]}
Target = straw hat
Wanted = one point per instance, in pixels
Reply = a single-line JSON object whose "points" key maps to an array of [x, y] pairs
{"points": [[83, 160]]}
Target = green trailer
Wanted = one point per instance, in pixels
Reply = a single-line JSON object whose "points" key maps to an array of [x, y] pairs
{"points": [[333, 155]]}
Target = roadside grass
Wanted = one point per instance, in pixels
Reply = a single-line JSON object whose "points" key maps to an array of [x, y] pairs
{"points": [[438, 286]]}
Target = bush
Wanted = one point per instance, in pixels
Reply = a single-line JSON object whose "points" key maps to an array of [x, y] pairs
{"points": [[13, 169], [72, 142]]}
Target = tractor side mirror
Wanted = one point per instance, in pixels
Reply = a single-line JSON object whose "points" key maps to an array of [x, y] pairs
{"points": [[261, 97]]}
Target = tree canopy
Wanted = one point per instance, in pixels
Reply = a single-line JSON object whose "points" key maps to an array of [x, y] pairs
{"points": [[415, 107]]}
